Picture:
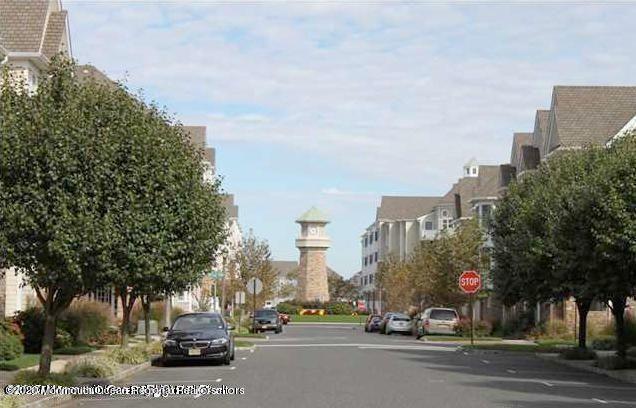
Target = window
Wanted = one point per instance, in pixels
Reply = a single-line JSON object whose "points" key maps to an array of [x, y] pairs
{"points": [[366, 241], [371, 278], [445, 223], [364, 280], [428, 225], [376, 256], [370, 259], [365, 261], [370, 238], [376, 236], [445, 213], [474, 170]]}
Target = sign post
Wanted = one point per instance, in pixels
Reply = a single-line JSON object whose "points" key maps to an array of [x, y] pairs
{"points": [[239, 299], [470, 283], [254, 287]]}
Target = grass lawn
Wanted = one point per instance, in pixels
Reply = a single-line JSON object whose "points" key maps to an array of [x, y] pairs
{"points": [[243, 343], [24, 361], [327, 319]]}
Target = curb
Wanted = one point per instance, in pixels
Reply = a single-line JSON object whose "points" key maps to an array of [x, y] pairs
{"points": [[56, 400], [628, 376]]}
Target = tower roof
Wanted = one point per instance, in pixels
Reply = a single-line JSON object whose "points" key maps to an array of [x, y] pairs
{"points": [[313, 215]]}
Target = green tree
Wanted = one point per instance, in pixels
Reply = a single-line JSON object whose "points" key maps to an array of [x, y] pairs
{"points": [[254, 261], [55, 161], [341, 289]]}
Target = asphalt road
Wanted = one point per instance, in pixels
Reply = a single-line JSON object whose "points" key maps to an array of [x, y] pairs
{"points": [[341, 366]]}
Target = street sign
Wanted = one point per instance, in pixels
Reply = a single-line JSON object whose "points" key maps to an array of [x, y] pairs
{"points": [[239, 298], [254, 286], [470, 282]]}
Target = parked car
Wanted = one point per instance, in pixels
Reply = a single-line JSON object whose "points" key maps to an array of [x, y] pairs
{"points": [[195, 336], [284, 317], [385, 319], [398, 323], [373, 323], [437, 320], [267, 319]]}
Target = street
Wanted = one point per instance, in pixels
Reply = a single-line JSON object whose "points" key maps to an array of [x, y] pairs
{"points": [[341, 366]]}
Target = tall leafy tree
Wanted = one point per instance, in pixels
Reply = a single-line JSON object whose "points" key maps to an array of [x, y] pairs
{"points": [[254, 261], [55, 161]]}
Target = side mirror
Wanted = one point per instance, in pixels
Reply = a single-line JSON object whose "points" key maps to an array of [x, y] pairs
{"points": [[230, 327], [165, 329]]}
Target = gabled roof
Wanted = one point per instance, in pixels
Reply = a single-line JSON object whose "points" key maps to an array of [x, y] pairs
{"points": [[487, 182], [530, 158], [582, 115], [33, 26], [405, 208], [540, 129], [313, 215], [89, 72], [519, 139]]}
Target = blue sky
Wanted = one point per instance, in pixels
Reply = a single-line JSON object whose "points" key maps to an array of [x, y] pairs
{"points": [[335, 104]]}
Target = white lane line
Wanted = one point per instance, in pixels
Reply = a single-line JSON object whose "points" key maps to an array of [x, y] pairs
{"points": [[233, 368], [364, 346], [511, 371], [547, 384], [600, 401], [219, 379], [485, 361], [243, 358], [251, 350]]}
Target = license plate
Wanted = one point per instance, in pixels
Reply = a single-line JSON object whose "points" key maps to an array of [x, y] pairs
{"points": [[194, 352]]}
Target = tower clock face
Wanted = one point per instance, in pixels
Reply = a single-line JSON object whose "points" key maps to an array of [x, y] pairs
{"points": [[313, 230]]}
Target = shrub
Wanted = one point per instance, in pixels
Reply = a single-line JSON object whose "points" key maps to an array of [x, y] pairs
{"points": [[604, 343], [10, 345], [613, 363], [288, 308], [483, 328], [93, 367], [111, 336], [30, 377], [131, 355], [152, 348], [86, 320], [578, 353], [31, 323], [519, 325], [339, 308], [553, 329]]}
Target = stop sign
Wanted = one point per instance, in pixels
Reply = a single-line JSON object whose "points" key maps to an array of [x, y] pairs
{"points": [[470, 282]]}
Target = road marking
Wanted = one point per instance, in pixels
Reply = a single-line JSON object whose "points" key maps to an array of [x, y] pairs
{"points": [[243, 358], [485, 361], [251, 350], [364, 346], [219, 379], [600, 401], [512, 371], [233, 368], [547, 384]]}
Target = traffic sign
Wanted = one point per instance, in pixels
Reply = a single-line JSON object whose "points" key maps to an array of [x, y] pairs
{"points": [[470, 282], [254, 286]]}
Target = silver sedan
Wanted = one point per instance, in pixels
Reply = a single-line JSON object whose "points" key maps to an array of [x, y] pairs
{"points": [[399, 323]]}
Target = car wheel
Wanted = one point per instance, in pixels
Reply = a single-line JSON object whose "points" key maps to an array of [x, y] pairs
{"points": [[165, 361], [387, 332], [233, 354], [279, 330], [227, 359]]}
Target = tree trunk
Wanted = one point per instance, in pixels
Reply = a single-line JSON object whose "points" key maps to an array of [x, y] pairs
{"points": [[583, 305], [48, 339], [145, 303], [127, 303], [618, 310]]}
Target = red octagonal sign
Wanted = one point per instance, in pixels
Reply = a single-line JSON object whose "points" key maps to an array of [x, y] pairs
{"points": [[470, 282]]}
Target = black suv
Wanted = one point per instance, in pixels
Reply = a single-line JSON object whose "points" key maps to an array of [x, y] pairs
{"points": [[267, 319], [195, 336]]}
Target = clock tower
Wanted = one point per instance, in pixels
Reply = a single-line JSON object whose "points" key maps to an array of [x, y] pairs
{"points": [[312, 244]]}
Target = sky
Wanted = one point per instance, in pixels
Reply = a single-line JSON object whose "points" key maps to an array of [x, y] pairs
{"points": [[336, 104]]}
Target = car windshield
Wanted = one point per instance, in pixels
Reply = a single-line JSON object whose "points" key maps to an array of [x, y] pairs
{"points": [[198, 322], [376, 319], [439, 314], [265, 313], [401, 319]]}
